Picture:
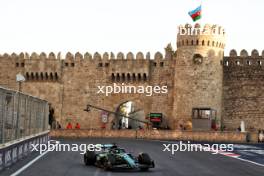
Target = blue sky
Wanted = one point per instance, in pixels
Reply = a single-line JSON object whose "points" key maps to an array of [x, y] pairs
{"points": [[121, 25]]}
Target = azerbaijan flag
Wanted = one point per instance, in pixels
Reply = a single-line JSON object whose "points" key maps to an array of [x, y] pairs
{"points": [[196, 13]]}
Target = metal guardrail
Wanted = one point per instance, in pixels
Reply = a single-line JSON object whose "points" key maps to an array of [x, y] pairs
{"points": [[13, 152], [21, 115]]}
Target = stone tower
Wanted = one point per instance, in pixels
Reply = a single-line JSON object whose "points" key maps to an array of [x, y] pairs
{"points": [[198, 72]]}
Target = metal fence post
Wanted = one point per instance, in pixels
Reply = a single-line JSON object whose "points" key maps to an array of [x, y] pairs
{"points": [[18, 114], [14, 117], [8, 123], [2, 120], [4, 115], [26, 116], [30, 113]]}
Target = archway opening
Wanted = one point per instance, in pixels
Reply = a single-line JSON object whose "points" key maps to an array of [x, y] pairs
{"points": [[127, 116]]}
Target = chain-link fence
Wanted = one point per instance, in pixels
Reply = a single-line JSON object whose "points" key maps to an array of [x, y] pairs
{"points": [[21, 115]]}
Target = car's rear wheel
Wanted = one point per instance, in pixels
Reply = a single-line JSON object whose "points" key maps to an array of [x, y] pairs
{"points": [[89, 158], [144, 169], [144, 159]]}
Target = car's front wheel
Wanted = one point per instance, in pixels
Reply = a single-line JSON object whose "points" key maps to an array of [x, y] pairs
{"points": [[109, 162], [107, 165], [89, 158]]}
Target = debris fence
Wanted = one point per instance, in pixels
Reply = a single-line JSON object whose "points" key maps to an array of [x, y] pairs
{"points": [[21, 115]]}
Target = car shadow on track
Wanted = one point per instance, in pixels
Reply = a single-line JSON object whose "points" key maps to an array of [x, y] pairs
{"points": [[122, 170]]}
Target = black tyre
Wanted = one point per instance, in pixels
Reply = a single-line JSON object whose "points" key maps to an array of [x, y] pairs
{"points": [[144, 169], [89, 158], [109, 162], [107, 166], [111, 159], [144, 158]]}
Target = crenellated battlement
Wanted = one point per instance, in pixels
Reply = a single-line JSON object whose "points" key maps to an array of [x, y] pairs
{"points": [[244, 59], [34, 55], [112, 56], [85, 56], [120, 66], [197, 35], [244, 53]]}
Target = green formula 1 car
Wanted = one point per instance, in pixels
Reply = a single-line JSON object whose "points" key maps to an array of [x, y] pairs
{"points": [[112, 157]]}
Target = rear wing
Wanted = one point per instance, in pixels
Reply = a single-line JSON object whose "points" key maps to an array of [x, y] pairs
{"points": [[108, 146]]}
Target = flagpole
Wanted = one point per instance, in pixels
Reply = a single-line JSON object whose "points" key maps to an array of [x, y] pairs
{"points": [[202, 11]]}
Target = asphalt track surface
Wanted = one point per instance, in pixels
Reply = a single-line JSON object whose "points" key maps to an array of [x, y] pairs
{"points": [[179, 164]]}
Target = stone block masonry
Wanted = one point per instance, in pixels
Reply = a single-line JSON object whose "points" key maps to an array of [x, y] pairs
{"points": [[229, 137], [197, 75]]}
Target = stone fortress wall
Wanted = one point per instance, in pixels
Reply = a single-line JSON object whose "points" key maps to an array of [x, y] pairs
{"points": [[70, 83], [243, 89], [216, 81]]}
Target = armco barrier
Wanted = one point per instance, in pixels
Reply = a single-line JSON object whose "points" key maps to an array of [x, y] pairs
{"points": [[10, 153], [209, 136]]}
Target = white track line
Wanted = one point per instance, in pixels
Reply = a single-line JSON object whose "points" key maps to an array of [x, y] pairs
{"points": [[29, 164], [33, 161], [236, 157], [250, 162]]}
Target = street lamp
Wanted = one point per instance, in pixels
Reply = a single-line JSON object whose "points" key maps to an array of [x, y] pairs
{"points": [[19, 78]]}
